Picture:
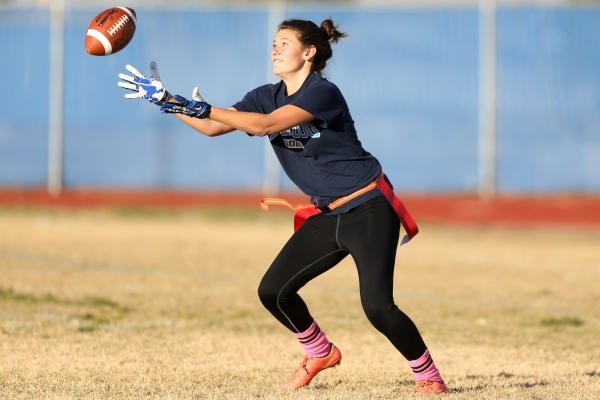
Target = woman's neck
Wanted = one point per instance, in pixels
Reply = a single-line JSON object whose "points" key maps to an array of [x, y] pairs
{"points": [[293, 82]]}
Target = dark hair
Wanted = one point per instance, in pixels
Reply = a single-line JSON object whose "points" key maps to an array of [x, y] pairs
{"points": [[321, 37]]}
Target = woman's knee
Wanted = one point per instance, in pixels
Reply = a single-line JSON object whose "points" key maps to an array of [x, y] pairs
{"points": [[380, 314], [267, 293], [374, 315]]}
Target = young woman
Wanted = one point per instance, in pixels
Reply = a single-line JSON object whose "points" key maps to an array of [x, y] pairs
{"points": [[312, 133]]}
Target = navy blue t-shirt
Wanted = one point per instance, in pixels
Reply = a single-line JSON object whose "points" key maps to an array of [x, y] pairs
{"points": [[324, 158]]}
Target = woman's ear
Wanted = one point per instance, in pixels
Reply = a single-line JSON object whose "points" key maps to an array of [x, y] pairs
{"points": [[309, 52]]}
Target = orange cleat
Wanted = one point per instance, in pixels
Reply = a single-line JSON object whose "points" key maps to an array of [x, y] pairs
{"points": [[311, 367], [431, 387]]}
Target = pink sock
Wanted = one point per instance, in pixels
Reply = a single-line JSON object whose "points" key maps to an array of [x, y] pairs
{"points": [[314, 341], [424, 369]]}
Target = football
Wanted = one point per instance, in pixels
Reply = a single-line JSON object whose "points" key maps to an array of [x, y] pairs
{"points": [[110, 31]]}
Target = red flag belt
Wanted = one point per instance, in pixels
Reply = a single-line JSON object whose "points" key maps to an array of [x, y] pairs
{"points": [[306, 211]]}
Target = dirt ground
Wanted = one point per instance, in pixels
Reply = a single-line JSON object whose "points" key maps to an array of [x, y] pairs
{"points": [[130, 303]]}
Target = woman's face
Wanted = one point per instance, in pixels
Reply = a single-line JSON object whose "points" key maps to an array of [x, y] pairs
{"points": [[288, 55]]}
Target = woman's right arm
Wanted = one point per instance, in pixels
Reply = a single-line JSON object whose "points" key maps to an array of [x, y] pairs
{"points": [[206, 126]]}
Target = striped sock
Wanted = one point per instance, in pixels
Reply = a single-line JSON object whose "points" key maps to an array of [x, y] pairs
{"points": [[314, 341], [424, 368]]}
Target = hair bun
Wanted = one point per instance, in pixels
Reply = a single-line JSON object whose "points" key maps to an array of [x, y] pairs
{"points": [[331, 30]]}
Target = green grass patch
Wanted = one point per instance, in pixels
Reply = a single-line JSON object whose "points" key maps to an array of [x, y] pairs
{"points": [[562, 321], [90, 301], [91, 322], [102, 302], [11, 295], [105, 310]]}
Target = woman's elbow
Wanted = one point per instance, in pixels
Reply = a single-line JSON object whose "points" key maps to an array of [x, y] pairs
{"points": [[211, 132], [265, 130], [260, 133]]}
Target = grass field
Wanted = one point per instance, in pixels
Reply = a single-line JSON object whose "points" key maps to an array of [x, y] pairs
{"points": [[130, 304]]}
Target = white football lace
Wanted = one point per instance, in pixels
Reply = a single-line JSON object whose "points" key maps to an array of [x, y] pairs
{"points": [[118, 25]]}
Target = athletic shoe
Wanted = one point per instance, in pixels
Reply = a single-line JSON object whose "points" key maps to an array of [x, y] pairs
{"points": [[431, 387], [311, 367]]}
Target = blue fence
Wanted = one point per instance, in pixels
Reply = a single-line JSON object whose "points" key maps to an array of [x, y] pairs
{"points": [[410, 78]]}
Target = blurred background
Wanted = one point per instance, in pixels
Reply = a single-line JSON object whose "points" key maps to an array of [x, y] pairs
{"points": [[487, 97]]}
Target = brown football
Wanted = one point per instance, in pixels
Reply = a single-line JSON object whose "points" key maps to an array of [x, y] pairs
{"points": [[110, 31]]}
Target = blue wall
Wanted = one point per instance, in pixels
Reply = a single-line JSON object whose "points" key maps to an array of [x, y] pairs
{"points": [[549, 82], [410, 78]]}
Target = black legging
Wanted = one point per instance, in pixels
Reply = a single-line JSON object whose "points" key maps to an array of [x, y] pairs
{"points": [[370, 234]]}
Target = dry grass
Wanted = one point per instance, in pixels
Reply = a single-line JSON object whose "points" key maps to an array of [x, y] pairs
{"points": [[128, 305]]}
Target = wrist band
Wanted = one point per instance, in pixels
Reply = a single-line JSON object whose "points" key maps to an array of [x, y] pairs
{"points": [[208, 110]]}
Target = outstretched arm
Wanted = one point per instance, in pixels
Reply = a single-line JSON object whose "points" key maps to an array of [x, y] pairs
{"points": [[222, 121], [261, 124], [225, 120]]}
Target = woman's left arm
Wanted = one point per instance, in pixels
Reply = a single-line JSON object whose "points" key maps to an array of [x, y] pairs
{"points": [[262, 124]]}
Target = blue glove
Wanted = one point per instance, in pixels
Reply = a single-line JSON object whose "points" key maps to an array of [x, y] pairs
{"points": [[196, 108], [150, 89]]}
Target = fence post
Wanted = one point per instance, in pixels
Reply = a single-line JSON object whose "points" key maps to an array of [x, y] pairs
{"points": [[55, 123], [487, 99]]}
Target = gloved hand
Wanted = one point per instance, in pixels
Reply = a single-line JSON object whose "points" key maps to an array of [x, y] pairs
{"points": [[150, 89], [196, 108], [196, 95]]}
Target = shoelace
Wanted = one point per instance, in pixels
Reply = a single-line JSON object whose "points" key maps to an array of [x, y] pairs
{"points": [[301, 367]]}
